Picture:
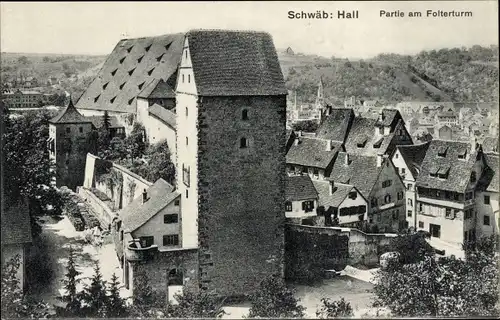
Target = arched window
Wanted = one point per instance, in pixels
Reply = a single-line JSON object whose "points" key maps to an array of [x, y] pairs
{"points": [[244, 114], [175, 277], [243, 143], [387, 198]]}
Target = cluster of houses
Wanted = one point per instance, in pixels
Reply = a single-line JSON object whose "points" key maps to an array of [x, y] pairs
{"points": [[25, 98]]}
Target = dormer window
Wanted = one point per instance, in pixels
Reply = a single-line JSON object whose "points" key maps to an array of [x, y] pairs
{"points": [[122, 85], [140, 59], [159, 58], [105, 86], [442, 152], [130, 49], [168, 46], [140, 86], [462, 154], [243, 143], [244, 114], [112, 99], [114, 72], [121, 60], [148, 47], [131, 71], [130, 101], [150, 71], [96, 98], [377, 144], [433, 171], [361, 142], [443, 173]]}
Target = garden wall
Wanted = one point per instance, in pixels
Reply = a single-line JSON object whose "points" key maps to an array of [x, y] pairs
{"points": [[99, 207], [118, 183]]}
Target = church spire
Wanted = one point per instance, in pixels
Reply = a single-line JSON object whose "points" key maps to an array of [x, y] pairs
{"points": [[320, 95]]}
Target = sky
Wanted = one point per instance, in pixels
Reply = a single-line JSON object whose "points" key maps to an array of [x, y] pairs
{"points": [[96, 27]]}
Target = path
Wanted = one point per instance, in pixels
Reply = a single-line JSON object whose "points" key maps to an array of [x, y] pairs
{"points": [[59, 236]]}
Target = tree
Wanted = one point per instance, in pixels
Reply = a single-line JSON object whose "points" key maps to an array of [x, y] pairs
{"points": [[116, 307], [412, 247], [71, 297], [443, 287], [159, 163], [14, 303], [106, 121], [94, 295], [135, 141], [274, 300], [334, 309], [23, 60], [145, 300], [202, 304]]}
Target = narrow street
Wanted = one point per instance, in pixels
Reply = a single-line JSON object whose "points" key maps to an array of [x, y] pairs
{"points": [[58, 236]]}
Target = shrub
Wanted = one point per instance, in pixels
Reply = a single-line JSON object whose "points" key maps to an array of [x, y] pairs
{"points": [[334, 309]]}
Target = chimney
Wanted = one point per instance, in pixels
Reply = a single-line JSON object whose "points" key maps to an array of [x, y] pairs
{"points": [[473, 142], [328, 145], [144, 196], [379, 160], [296, 142], [331, 186], [380, 115], [346, 159]]}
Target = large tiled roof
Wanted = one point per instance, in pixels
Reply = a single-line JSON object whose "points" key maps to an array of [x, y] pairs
{"points": [[132, 65], [235, 63], [163, 114], [340, 192], [300, 188], [414, 155], [69, 115], [459, 170], [388, 117], [311, 152], [336, 126], [136, 213], [16, 226], [159, 89], [490, 145], [361, 172]]}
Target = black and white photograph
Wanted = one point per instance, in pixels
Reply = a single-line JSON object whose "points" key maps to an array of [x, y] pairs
{"points": [[257, 159]]}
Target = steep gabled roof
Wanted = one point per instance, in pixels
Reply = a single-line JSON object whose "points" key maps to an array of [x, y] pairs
{"points": [[389, 117], [361, 172], [337, 125], [300, 188], [235, 63], [136, 214], [163, 114], [69, 115], [489, 180], [459, 170], [340, 192], [16, 225], [413, 155], [132, 65], [311, 152], [158, 89]]}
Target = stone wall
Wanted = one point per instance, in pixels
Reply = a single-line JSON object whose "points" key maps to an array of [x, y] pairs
{"points": [[102, 211], [241, 192], [157, 269]]}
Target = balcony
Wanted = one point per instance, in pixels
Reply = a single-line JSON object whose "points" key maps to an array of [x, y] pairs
{"points": [[134, 251]]}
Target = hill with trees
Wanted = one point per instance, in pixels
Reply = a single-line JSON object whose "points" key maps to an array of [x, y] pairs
{"points": [[457, 74]]}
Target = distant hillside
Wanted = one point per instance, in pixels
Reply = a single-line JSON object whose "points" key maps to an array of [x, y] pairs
{"points": [[446, 75]]}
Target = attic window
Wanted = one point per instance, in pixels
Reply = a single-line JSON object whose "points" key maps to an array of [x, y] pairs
{"points": [[362, 142], [104, 86], [433, 171], [462, 154], [112, 99], [378, 143], [168, 46], [130, 101], [130, 49], [96, 98], [159, 58], [442, 151], [122, 85], [131, 71], [148, 47], [114, 72], [121, 60], [140, 86], [140, 59], [443, 173], [150, 71]]}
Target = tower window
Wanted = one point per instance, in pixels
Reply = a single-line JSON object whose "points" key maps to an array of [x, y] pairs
{"points": [[187, 193], [186, 52], [189, 78], [68, 130], [187, 141], [243, 143], [183, 78], [186, 111], [244, 114], [81, 129]]}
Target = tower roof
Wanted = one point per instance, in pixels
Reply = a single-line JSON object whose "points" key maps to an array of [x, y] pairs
{"points": [[69, 115], [235, 63]]}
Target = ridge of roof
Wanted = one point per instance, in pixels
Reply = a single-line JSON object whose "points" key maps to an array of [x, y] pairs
{"points": [[69, 115]]}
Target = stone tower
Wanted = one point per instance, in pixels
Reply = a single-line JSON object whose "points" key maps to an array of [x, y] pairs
{"points": [[68, 132], [231, 114]]}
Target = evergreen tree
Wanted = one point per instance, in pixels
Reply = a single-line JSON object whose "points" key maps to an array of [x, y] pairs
{"points": [[94, 295], [201, 304], [136, 142], [106, 121], [71, 296], [116, 306], [274, 300]]}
